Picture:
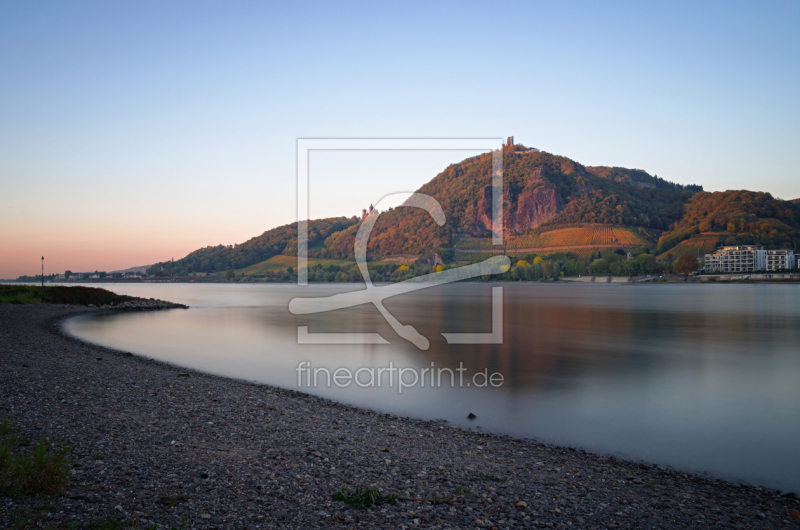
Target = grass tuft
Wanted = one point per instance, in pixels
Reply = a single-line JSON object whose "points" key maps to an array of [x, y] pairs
{"points": [[43, 470], [363, 497]]}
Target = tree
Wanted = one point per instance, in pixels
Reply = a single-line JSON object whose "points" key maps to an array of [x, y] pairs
{"points": [[230, 275], [686, 264], [599, 266], [645, 263]]}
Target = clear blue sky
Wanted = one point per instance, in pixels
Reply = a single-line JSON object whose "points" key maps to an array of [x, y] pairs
{"points": [[131, 132]]}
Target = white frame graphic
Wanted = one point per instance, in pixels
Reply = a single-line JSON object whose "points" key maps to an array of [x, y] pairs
{"points": [[375, 295]]}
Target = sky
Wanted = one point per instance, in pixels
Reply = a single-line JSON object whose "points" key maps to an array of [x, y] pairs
{"points": [[134, 132]]}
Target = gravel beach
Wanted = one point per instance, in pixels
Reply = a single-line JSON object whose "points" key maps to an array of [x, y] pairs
{"points": [[155, 442]]}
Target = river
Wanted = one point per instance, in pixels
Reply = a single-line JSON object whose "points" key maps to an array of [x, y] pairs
{"points": [[704, 378]]}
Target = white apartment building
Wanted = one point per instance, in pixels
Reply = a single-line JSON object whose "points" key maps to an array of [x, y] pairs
{"points": [[749, 258], [780, 259]]}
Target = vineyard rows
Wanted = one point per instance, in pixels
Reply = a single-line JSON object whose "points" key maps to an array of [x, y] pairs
{"points": [[583, 253], [591, 235], [706, 245]]}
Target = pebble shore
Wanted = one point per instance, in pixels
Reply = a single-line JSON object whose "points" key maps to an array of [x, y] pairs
{"points": [[154, 442], [142, 304]]}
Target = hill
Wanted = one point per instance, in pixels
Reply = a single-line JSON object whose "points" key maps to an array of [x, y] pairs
{"points": [[551, 204], [140, 269], [280, 240], [541, 191], [735, 217]]}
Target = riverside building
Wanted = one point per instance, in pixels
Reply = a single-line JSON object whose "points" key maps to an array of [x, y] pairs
{"points": [[749, 258], [780, 260]]}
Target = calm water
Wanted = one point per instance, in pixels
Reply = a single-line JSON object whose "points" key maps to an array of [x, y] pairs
{"points": [[702, 378]]}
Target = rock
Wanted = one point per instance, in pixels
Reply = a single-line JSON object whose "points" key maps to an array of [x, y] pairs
{"points": [[205, 516], [521, 505], [471, 416]]}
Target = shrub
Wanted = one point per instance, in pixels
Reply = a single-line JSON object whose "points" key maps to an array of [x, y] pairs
{"points": [[363, 497], [43, 470]]}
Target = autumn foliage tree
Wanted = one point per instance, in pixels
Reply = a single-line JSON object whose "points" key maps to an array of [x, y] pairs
{"points": [[686, 264]]}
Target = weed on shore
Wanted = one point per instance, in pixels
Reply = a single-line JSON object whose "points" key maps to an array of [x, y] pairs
{"points": [[363, 497], [42, 470]]}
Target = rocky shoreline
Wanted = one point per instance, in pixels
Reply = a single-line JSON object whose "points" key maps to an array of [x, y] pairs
{"points": [[141, 304], [155, 442]]}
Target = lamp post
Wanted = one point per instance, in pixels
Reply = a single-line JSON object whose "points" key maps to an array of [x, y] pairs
{"points": [[42, 272]]}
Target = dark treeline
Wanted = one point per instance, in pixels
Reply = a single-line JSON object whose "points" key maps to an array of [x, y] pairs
{"points": [[531, 267]]}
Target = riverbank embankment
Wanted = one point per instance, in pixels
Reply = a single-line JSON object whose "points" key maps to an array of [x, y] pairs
{"points": [[156, 444]]}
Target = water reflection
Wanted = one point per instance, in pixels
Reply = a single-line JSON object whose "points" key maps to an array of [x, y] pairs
{"points": [[699, 377]]}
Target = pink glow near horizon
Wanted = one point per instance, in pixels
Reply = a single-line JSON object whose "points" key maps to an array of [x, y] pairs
{"points": [[86, 249]]}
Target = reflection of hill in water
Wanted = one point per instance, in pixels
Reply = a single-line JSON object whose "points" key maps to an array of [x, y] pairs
{"points": [[551, 340]]}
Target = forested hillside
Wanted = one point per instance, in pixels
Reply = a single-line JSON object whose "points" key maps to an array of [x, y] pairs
{"points": [[737, 217], [604, 207], [280, 240], [541, 191]]}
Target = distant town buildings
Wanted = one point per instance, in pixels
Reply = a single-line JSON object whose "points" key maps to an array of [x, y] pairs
{"points": [[749, 258]]}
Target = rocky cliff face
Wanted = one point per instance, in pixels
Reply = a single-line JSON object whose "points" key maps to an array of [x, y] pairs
{"points": [[534, 207], [537, 203]]}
